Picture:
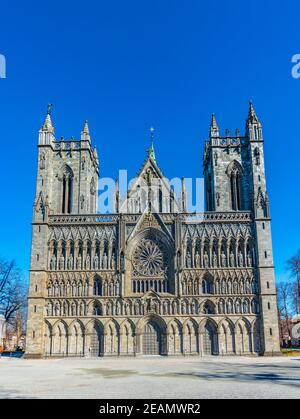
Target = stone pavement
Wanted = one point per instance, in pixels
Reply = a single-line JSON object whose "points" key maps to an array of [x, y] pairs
{"points": [[151, 377]]}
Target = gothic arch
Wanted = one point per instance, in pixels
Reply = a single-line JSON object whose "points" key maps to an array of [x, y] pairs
{"points": [[60, 338], [208, 307], [151, 331], [234, 166], [97, 286], [95, 330], [112, 337], [209, 335], [97, 308], [48, 339], [207, 285], [190, 344], [67, 189], [226, 334], [76, 338], [243, 336], [127, 338], [151, 317], [235, 173], [175, 337]]}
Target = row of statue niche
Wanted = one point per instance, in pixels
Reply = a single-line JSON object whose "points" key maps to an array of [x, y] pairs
{"points": [[148, 306], [229, 287], [98, 262], [197, 259]]}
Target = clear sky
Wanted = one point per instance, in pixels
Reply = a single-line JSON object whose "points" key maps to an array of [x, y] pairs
{"points": [[127, 65]]}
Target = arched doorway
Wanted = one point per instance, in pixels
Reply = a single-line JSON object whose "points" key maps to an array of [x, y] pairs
{"points": [[97, 339], [151, 339], [209, 340]]}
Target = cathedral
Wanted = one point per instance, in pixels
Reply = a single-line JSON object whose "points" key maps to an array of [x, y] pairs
{"points": [[152, 278]]}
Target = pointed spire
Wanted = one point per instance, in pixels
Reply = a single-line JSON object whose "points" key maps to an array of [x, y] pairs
{"points": [[86, 127], [151, 152], [214, 129], [85, 133], [252, 117], [47, 125], [253, 125]]}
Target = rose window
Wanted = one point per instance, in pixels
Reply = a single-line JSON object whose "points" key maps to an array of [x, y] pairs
{"points": [[148, 258]]}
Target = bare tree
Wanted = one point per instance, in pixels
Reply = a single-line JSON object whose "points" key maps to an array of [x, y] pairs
{"points": [[13, 290], [284, 298], [293, 266]]}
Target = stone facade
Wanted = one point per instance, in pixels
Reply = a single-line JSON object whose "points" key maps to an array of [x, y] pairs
{"points": [[152, 278]]}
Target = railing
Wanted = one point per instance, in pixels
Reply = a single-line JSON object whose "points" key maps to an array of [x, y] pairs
{"points": [[84, 219], [237, 216], [230, 216], [229, 141]]}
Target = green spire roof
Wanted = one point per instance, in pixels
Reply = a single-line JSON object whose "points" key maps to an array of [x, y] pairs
{"points": [[151, 152]]}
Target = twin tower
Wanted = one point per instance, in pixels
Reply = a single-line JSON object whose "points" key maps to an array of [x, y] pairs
{"points": [[234, 171], [139, 281]]}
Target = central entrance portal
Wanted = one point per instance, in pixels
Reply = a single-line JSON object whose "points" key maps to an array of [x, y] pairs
{"points": [[151, 339]]}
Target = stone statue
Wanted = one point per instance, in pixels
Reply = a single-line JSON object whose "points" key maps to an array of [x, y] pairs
{"points": [[223, 260], [229, 287], [240, 259], [188, 260], [215, 260], [61, 262], [231, 258], [111, 289], [70, 262], [193, 307], [235, 287], [117, 288], [53, 263], [197, 259], [88, 262], [96, 261], [79, 262], [104, 261], [68, 288], [205, 259], [249, 259]]}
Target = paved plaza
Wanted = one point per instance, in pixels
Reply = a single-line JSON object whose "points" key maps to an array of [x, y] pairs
{"points": [[151, 377]]}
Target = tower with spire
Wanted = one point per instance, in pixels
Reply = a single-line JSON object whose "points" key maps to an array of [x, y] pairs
{"points": [[235, 181], [68, 172], [66, 183]]}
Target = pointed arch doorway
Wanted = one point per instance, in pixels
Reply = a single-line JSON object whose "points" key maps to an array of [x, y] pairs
{"points": [[151, 339], [209, 340], [97, 341]]}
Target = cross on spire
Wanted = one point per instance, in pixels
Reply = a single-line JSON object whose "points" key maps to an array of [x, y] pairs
{"points": [[49, 108], [47, 125], [152, 130], [151, 152]]}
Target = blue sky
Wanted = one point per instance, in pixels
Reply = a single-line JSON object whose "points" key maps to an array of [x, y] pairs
{"points": [[127, 65]]}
